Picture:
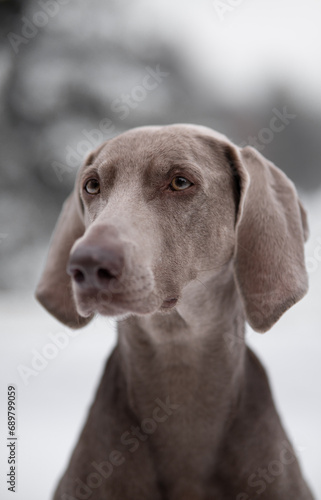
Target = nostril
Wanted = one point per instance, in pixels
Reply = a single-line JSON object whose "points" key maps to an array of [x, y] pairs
{"points": [[78, 276], [104, 274]]}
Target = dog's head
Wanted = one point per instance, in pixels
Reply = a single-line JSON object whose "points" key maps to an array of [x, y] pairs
{"points": [[155, 207]]}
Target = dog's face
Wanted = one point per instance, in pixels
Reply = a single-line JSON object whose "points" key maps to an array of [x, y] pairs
{"points": [[148, 200], [155, 207]]}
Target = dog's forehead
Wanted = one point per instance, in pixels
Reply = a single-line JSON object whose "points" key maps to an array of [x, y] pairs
{"points": [[156, 147]]}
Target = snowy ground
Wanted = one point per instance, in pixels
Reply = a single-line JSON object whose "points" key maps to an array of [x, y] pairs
{"points": [[52, 405]]}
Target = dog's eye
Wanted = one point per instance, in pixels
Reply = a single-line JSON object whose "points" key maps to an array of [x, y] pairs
{"points": [[92, 186], [180, 183]]}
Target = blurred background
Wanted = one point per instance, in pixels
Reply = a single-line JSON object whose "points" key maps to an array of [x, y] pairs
{"points": [[75, 73]]}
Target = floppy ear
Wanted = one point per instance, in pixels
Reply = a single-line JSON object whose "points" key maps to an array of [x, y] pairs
{"points": [[54, 289], [270, 232]]}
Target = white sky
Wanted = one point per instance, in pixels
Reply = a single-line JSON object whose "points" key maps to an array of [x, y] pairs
{"points": [[256, 43]]}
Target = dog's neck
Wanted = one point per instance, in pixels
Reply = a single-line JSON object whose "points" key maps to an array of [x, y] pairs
{"points": [[200, 341]]}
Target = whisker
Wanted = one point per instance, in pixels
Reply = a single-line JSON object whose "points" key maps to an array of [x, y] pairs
{"points": [[202, 283], [215, 267]]}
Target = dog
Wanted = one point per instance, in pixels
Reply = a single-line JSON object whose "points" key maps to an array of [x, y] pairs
{"points": [[182, 237]]}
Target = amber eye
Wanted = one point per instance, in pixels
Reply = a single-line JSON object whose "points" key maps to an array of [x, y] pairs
{"points": [[92, 186], [180, 183]]}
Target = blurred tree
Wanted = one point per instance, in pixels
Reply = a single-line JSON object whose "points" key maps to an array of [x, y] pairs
{"points": [[76, 71]]}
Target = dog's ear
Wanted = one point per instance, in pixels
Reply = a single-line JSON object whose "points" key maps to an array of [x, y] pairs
{"points": [[54, 289], [271, 229]]}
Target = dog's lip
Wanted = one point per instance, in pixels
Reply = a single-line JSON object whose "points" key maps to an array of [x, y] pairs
{"points": [[168, 303], [118, 305], [104, 303]]}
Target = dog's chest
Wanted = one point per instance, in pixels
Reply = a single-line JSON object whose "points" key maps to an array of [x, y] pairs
{"points": [[183, 412]]}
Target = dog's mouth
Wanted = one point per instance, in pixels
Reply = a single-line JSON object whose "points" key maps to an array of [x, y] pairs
{"points": [[169, 303], [113, 303], [131, 292], [109, 303]]}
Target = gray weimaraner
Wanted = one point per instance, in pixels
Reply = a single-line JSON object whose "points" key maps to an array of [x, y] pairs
{"points": [[181, 236]]}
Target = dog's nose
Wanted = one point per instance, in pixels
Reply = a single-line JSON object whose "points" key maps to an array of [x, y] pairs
{"points": [[94, 267]]}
